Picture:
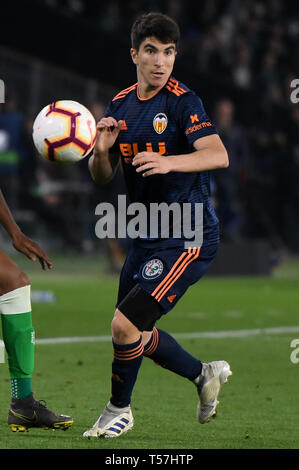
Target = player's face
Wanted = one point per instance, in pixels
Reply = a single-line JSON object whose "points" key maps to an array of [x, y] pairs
{"points": [[154, 61]]}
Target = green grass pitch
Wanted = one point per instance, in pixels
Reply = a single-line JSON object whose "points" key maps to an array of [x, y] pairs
{"points": [[258, 406]]}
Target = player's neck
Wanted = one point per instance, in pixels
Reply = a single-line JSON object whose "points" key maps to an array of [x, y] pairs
{"points": [[145, 90]]}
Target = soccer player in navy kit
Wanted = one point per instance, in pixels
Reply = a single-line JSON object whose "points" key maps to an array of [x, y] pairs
{"points": [[167, 144]]}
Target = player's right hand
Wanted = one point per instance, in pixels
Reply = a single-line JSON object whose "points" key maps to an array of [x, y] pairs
{"points": [[31, 249], [108, 129]]}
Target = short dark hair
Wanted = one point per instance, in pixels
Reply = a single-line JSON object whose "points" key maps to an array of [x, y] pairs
{"points": [[155, 25]]}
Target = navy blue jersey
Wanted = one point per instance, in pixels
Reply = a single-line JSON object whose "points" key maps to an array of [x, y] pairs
{"points": [[168, 123]]}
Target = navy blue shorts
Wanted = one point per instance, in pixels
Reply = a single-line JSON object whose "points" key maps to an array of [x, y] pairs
{"points": [[166, 274]]}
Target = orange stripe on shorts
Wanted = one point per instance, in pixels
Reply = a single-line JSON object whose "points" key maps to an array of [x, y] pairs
{"points": [[193, 254], [169, 274]]}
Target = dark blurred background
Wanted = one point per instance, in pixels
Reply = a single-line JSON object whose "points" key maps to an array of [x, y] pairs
{"points": [[239, 56]]}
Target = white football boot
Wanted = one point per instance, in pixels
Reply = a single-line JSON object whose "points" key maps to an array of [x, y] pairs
{"points": [[113, 422], [213, 375]]}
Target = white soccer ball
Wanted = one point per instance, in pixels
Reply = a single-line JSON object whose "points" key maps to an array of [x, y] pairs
{"points": [[64, 131]]}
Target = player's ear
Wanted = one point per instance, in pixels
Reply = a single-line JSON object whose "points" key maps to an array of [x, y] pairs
{"points": [[134, 55]]}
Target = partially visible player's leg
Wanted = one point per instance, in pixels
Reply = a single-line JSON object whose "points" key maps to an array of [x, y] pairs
{"points": [[179, 270], [117, 417], [18, 333], [18, 337], [133, 327], [163, 349], [135, 313]]}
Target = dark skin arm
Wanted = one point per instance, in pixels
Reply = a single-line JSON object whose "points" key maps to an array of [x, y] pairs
{"points": [[20, 242]]}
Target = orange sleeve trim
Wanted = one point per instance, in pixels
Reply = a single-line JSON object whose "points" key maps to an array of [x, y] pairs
{"points": [[124, 92], [173, 86]]}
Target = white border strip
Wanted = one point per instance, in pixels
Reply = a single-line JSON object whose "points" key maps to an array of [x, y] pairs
{"points": [[195, 335], [2, 354]]}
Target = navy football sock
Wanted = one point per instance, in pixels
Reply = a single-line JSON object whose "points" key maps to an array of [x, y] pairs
{"points": [[125, 367], [166, 352]]}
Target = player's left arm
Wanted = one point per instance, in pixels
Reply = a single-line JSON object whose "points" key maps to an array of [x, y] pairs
{"points": [[209, 154]]}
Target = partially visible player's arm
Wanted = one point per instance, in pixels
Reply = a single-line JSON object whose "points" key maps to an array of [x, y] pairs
{"points": [[21, 243], [209, 154], [6, 218], [103, 163]]}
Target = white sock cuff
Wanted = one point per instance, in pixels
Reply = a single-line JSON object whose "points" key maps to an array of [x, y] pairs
{"points": [[16, 301], [116, 409]]}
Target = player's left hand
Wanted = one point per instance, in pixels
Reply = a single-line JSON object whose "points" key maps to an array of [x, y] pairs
{"points": [[151, 163], [31, 249]]}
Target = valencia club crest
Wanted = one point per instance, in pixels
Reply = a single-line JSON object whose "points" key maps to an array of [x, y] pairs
{"points": [[160, 122]]}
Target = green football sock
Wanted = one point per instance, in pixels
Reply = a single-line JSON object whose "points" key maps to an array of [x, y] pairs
{"points": [[18, 337], [21, 388]]}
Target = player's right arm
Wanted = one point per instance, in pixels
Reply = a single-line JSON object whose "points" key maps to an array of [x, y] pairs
{"points": [[103, 163]]}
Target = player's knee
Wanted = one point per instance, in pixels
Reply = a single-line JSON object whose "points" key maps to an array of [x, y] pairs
{"points": [[22, 279], [122, 328], [14, 279]]}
